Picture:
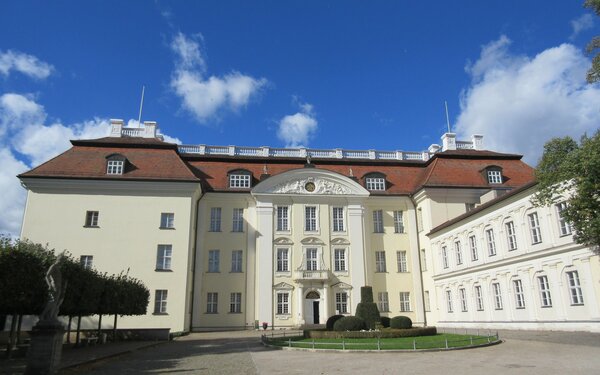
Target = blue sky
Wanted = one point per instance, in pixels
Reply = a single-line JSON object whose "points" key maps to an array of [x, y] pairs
{"points": [[353, 74]]}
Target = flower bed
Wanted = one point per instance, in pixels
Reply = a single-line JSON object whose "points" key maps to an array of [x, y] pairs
{"points": [[384, 333]]}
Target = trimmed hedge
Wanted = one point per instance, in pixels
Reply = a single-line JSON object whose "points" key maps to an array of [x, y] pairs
{"points": [[367, 309], [349, 323], [385, 321], [384, 333], [331, 321], [401, 322]]}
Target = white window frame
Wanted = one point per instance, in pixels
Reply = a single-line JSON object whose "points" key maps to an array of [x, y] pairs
{"points": [[473, 247], [86, 261], [235, 303], [383, 302], [341, 302], [283, 303], [401, 261], [462, 292], [164, 255], [458, 250], [212, 303], [511, 235], [427, 301], [311, 219], [405, 302], [282, 221], [534, 228], [494, 176], [491, 242], [237, 261], [167, 220], [160, 301], [479, 298], [380, 263], [215, 219], [214, 260], [575, 290], [449, 306], [311, 254], [115, 167], [519, 294], [445, 262], [340, 259], [398, 221], [239, 180], [423, 260], [91, 218], [283, 259], [237, 220], [497, 296], [545, 294], [375, 183], [378, 221], [338, 223], [563, 225]]}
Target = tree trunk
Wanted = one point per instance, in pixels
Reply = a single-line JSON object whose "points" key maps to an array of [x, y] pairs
{"points": [[115, 329], [99, 325], [19, 329], [11, 337], [78, 330], [69, 329]]}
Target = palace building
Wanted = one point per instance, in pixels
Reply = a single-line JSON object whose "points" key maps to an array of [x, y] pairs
{"points": [[226, 236]]}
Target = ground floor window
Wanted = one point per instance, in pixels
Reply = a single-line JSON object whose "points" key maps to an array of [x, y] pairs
{"points": [[341, 302], [405, 301], [382, 300], [212, 300], [235, 305], [283, 303], [160, 301]]}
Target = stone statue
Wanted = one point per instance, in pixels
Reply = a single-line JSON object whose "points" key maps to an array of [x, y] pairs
{"points": [[56, 290]]}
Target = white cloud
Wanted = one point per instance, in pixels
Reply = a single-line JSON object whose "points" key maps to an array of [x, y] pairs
{"points": [[205, 97], [580, 24], [519, 102], [13, 195], [26, 64], [297, 129]]}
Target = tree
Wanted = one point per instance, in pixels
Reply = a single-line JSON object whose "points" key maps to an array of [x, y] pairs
{"points": [[367, 309], [571, 171], [593, 74]]}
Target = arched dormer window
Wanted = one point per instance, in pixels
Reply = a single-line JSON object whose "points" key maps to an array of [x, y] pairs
{"points": [[493, 173], [240, 179], [375, 181], [115, 164]]}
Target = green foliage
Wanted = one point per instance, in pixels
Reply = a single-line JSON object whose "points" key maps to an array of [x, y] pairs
{"points": [[367, 310], [593, 75], [570, 172], [349, 323], [385, 321], [331, 321], [401, 322]]}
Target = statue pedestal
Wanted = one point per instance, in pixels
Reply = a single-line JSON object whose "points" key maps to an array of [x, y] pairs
{"points": [[45, 350]]}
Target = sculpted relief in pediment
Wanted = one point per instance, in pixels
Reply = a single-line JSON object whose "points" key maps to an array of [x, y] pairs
{"points": [[310, 186]]}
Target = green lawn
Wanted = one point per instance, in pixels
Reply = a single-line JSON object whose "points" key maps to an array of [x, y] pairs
{"points": [[422, 342]]}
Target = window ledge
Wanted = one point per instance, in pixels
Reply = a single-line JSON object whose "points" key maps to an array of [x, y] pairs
{"points": [[520, 308], [212, 313], [213, 271], [236, 312], [546, 307], [163, 270], [167, 228], [236, 271], [159, 313], [577, 304], [91, 226]]}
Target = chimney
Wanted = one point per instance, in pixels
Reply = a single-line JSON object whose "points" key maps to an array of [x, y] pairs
{"points": [[150, 129], [448, 141], [116, 127], [477, 141]]}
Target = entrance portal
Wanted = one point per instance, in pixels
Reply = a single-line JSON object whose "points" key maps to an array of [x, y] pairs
{"points": [[311, 308]]}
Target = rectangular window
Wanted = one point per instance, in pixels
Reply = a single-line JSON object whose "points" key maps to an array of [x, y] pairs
{"points": [[519, 295], [378, 221], [237, 224], [239, 180], [338, 219], [575, 288], [463, 299], [427, 303], [405, 301], [401, 260], [534, 228], [339, 261], [341, 303], [236, 261], [163, 257], [167, 220], [160, 301], [310, 218], [215, 219], [511, 236], [449, 301], [380, 261], [283, 264], [213, 260], [494, 177], [382, 301], [235, 304], [398, 222], [545, 297], [419, 220], [91, 218], [283, 218], [458, 250], [114, 167], [423, 260], [445, 263], [473, 247], [86, 261], [283, 303], [489, 234], [497, 296], [312, 259], [375, 183], [479, 297], [563, 224], [212, 302]]}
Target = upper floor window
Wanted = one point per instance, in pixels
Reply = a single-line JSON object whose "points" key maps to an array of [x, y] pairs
{"points": [[563, 224], [380, 261], [534, 228], [444, 257], [489, 234], [398, 222], [163, 257], [115, 164], [236, 260], [339, 260], [473, 246], [338, 219], [458, 249], [86, 261], [215, 219], [375, 181], [91, 218], [378, 221], [283, 218], [167, 220], [213, 260], [511, 236], [283, 263], [310, 218], [238, 220], [494, 175], [240, 179], [401, 260], [312, 259]]}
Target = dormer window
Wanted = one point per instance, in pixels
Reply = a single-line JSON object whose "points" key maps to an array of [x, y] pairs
{"points": [[115, 164], [494, 175], [375, 181], [240, 179]]}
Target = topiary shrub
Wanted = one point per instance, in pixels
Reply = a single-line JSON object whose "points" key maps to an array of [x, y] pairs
{"points": [[331, 321], [367, 309], [401, 322], [349, 323], [385, 321]]}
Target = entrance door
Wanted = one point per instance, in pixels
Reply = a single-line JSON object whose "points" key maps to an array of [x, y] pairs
{"points": [[315, 312], [311, 307]]}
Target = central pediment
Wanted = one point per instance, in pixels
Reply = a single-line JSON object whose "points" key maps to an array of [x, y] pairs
{"points": [[310, 181]]}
